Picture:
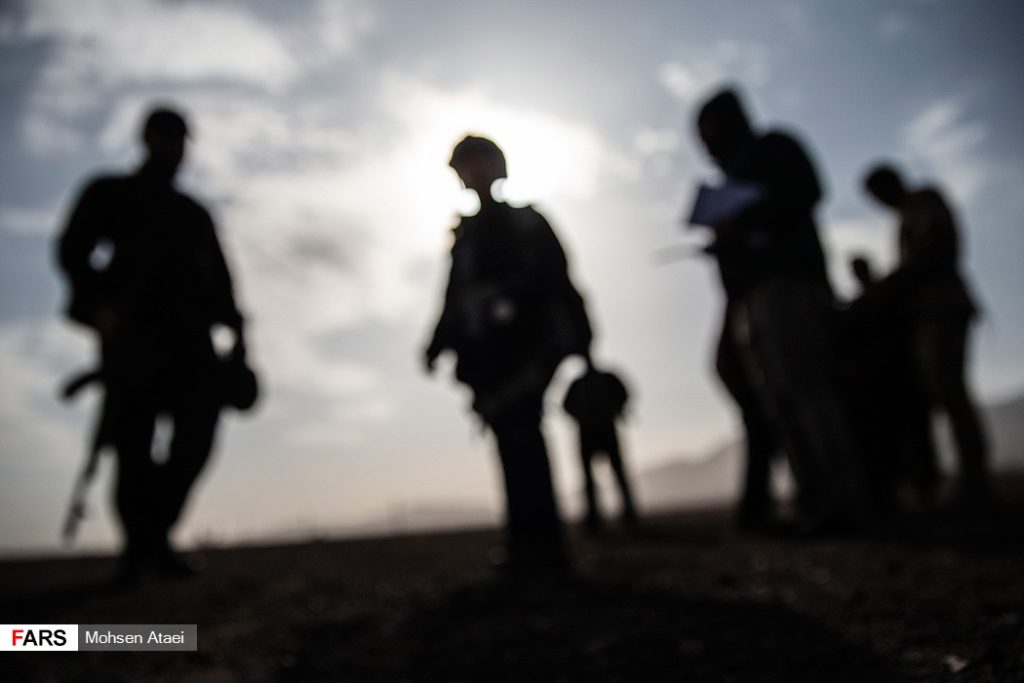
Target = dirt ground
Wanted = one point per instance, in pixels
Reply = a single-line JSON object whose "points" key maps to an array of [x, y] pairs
{"points": [[687, 598]]}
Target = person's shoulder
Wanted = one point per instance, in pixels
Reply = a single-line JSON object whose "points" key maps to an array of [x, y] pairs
{"points": [[106, 183], [779, 139], [927, 193], [927, 197], [193, 206], [529, 210], [528, 219]]}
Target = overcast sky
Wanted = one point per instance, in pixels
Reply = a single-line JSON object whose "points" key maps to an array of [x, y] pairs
{"points": [[321, 136]]}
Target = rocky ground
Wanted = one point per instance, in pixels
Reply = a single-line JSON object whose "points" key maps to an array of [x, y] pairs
{"points": [[687, 598]]}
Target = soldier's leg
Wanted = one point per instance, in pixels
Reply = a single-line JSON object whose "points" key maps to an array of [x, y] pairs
{"points": [[194, 427], [918, 445], [942, 351], [735, 370], [619, 469], [587, 453], [533, 525], [789, 324], [133, 420]]}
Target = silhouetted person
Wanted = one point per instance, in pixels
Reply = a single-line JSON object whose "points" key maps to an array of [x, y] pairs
{"points": [[734, 365], [511, 315], [889, 406], [597, 400], [164, 285], [932, 295], [772, 262]]}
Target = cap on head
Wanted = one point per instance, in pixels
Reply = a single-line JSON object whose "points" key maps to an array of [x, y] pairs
{"points": [[473, 148], [723, 124], [884, 182], [724, 107], [164, 121]]}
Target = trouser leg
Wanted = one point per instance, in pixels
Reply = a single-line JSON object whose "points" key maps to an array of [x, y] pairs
{"points": [[733, 365], [619, 469], [942, 350], [532, 522], [132, 426], [792, 344], [194, 426], [593, 513]]}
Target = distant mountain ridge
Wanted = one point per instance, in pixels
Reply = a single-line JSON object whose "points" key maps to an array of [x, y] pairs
{"points": [[1005, 423], [681, 482], [715, 478]]}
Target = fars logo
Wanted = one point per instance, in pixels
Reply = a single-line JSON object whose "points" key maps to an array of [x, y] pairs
{"points": [[38, 637]]}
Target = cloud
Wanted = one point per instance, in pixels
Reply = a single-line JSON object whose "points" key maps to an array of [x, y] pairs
{"points": [[652, 141], [944, 142], [728, 62], [893, 26], [28, 220], [117, 41], [548, 157], [35, 357], [794, 16], [102, 47], [657, 150]]}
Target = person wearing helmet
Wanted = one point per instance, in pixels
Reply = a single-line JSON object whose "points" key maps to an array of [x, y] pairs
{"points": [[511, 315]]}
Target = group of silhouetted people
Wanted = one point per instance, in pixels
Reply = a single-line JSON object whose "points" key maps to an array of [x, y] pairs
{"points": [[846, 391]]}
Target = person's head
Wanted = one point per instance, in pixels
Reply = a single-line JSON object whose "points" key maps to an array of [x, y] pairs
{"points": [[164, 134], [479, 162], [884, 183], [723, 125]]}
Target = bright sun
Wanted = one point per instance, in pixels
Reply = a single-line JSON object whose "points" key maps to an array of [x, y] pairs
{"points": [[548, 158]]}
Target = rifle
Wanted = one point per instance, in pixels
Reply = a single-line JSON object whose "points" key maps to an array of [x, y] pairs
{"points": [[100, 437]]}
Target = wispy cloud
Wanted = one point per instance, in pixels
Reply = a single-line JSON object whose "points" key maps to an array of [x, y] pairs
{"points": [[946, 143], [893, 26], [34, 357], [27, 220], [728, 61], [117, 41], [102, 47]]}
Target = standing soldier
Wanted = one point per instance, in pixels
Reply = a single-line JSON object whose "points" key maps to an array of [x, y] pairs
{"points": [[511, 315], [163, 286], [776, 272], [931, 293]]}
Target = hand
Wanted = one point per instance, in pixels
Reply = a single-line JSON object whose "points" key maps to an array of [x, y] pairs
{"points": [[429, 360], [106, 321]]}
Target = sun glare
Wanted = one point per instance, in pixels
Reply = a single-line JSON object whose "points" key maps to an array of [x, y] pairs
{"points": [[547, 158]]}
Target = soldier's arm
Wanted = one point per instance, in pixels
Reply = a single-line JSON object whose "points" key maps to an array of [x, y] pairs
{"points": [[440, 340], [444, 334], [546, 268], [80, 236], [219, 286], [792, 188]]}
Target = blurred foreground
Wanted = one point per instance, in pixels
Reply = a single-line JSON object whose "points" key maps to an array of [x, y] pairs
{"points": [[687, 598]]}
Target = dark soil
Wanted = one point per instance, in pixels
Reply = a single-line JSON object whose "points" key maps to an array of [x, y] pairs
{"points": [[687, 598]]}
